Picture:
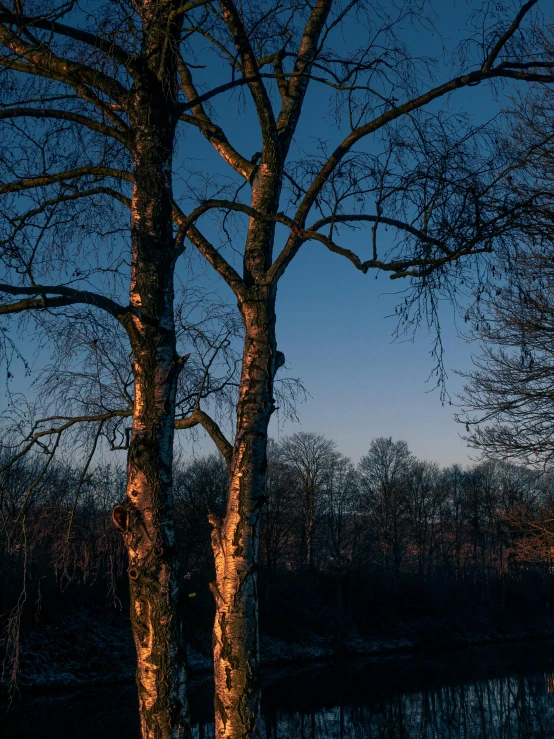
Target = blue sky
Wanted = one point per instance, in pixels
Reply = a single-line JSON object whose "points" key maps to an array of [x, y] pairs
{"points": [[332, 323], [332, 320], [333, 329]]}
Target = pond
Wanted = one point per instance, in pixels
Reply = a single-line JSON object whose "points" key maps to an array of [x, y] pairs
{"points": [[481, 693]]}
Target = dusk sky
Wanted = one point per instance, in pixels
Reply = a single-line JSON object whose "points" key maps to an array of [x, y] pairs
{"points": [[337, 339], [332, 320], [332, 323]]}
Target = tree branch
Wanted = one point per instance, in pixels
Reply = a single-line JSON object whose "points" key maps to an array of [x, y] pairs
{"points": [[298, 85], [416, 267], [110, 48], [64, 296], [28, 183], [66, 115], [465, 80], [34, 437], [199, 417], [250, 67], [21, 220], [200, 118], [503, 40], [401, 225], [40, 60], [187, 7], [188, 231]]}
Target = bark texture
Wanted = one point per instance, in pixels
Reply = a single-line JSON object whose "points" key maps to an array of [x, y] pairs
{"points": [[235, 538], [146, 517]]}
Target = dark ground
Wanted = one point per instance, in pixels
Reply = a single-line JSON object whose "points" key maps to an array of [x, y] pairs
{"points": [[294, 690], [76, 639]]}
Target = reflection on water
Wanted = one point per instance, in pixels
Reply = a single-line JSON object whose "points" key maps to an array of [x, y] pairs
{"points": [[501, 693], [501, 708]]}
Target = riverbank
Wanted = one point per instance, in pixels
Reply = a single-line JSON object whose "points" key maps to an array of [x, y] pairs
{"points": [[476, 692], [93, 646]]}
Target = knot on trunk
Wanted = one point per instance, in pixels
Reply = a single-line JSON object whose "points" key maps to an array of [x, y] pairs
{"points": [[120, 517], [139, 541]]}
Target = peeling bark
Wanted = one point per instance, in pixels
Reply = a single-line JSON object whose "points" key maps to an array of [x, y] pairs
{"points": [[235, 538], [145, 519]]}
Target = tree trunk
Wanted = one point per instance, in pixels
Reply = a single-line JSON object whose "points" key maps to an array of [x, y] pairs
{"points": [[146, 522], [235, 539], [146, 517]]}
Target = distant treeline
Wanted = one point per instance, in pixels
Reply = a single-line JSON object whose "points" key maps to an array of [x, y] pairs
{"points": [[344, 549]]}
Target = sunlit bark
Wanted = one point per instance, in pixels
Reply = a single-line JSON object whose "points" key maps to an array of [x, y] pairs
{"points": [[146, 517], [235, 539]]}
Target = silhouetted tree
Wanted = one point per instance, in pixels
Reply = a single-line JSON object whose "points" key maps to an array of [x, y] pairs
{"points": [[423, 498], [506, 404], [311, 458], [383, 477], [278, 524]]}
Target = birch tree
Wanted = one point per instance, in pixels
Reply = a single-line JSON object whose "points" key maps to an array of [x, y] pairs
{"points": [[95, 98]]}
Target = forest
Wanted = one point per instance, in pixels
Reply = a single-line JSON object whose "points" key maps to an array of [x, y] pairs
{"points": [[395, 549]]}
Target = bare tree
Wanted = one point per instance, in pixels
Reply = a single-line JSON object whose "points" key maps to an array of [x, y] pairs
{"points": [[342, 533], [277, 526], [92, 105], [506, 403], [423, 497], [507, 400], [312, 458], [341, 502], [383, 477]]}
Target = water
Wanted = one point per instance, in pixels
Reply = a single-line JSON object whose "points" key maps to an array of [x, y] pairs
{"points": [[488, 693]]}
